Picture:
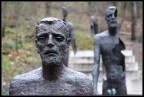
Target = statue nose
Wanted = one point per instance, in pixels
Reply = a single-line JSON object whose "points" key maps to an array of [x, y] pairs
{"points": [[50, 41], [113, 16]]}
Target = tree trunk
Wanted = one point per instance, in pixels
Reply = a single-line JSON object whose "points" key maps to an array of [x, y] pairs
{"points": [[89, 8], [114, 3], [123, 15], [134, 20], [3, 18], [48, 7], [17, 11]]}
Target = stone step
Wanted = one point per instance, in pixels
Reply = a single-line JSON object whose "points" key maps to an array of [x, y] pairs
{"points": [[90, 53], [86, 56], [91, 60], [88, 66]]}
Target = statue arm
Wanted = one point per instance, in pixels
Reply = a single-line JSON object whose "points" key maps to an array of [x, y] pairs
{"points": [[74, 47], [95, 71]]}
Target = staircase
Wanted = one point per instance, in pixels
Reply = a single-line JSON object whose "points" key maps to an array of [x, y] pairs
{"points": [[83, 62]]}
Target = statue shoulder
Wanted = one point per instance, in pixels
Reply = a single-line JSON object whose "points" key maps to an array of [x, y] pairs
{"points": [[101, 35], [34, 74], [75, 74], [83, 85], [20, 82], [82, 82]]}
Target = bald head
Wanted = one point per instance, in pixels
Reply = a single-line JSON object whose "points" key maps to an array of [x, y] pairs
{"points": [[112, 9], [111, 16], [53, 23]]}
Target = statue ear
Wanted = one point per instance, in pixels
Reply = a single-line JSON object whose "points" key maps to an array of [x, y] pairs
{"points": [[36, 46], [106, 18], [68, 41], [36, 42], [67, 44]]}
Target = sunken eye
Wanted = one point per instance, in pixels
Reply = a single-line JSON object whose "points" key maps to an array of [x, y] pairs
{"points": [[59, 38], [41, 38], [109, 15]]}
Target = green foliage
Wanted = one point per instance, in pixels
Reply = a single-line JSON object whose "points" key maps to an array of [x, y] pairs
{"points": [[20, 45], [5, 62], [81, 27], [9, 30], [84, 42], [8, 45], [11, 45]]}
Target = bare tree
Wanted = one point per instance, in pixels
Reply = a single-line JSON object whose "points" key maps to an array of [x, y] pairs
{"points": [[114, 3], [89, 8], [48, 7], [3, 18], [17, 11], [134, 20], [123, 15]]}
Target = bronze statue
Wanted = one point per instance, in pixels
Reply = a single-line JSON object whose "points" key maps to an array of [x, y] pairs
{"points": [[93, 25], [109, 45], [52, 40], [73, 42]]}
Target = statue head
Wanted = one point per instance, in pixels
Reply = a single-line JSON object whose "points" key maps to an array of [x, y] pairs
{"points": [[65, 13], [52, 40], [111, 16]]}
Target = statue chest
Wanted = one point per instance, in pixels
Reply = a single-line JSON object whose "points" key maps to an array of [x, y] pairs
{"points": [[107, 44], [43, 88]]}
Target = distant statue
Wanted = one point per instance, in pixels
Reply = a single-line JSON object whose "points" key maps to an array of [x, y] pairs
{"points": [[52, 39], [93, 25], [109, 45], [73, 42]]}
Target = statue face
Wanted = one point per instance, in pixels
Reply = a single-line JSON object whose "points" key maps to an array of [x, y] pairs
{"points": [[51, 43], [111, 14]]}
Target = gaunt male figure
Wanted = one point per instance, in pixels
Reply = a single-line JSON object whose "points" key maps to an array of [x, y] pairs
{"points": [[109, 45], [72, 35], [52, 40]]}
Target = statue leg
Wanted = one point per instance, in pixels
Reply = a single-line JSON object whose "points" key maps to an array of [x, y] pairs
{"points": [[105, 87], [122, 87]]}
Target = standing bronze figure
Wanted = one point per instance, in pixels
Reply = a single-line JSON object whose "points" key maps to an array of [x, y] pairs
{"points": [[93, 25], [72, 35], [109, 45]]}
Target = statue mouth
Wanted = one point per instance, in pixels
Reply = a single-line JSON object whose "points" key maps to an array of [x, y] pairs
{"points": [[50, 52], [113, 22]]}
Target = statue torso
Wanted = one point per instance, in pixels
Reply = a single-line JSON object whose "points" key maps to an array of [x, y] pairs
{"points": [[37, 85], [107, 43]]}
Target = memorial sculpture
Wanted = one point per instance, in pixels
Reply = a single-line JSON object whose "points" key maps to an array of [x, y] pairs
{"points": [[72, 35], [109, 45], [52, 39], [93, 25]]}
